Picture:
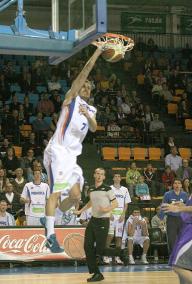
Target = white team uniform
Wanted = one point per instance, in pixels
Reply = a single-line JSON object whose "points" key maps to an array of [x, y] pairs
{"points": [[123, 197], [137, 237], [60, 155], [86, 215], [38, 195], [65, 218]]}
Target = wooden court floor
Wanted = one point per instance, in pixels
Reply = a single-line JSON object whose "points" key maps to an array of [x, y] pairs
{"points": [[146, 277]]}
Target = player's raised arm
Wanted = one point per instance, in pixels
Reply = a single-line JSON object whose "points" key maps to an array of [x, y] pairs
{"points": [[82, 77]]}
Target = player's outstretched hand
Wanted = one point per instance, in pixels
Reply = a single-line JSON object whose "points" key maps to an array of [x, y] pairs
{"points": [[173, 207], [101, 43], [83, 110]]}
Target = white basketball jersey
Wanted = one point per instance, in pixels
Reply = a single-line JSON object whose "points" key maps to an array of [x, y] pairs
{"points": [[122, 195], [37, 194], [72, 126]]}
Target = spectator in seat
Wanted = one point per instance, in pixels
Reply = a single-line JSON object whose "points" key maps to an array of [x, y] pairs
{"points": [[54, 121], [149, 116], [183, 111], [33, 144], [54, 84], [57, 101], [187, 186], [21, 115], [168, 178], [12, 199], [14, 105], [6, 219], [126, 106], [142, 189], [13, 126], [132, 117], [19, 182], [157, 91], [28, 108], [137, 233], [158, 222], [169, 142], [3, 180], [5, 145], [157, 126], [47, 138], [45, 105], [132, 178], [150, 176], [167, 94], [39, 125], [37, 166], [27, 161], [121, 118], [20, 219], [11, 162], [27, 84], [184, 171], [173, 160]]}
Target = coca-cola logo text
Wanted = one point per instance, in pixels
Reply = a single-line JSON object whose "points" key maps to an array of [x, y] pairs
{"points": [[33, 245]]}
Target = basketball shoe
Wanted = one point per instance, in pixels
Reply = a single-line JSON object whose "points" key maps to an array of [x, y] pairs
{"points": [[96, 277], [144, 259], [117, 260], [131, 260], [53, 244]]}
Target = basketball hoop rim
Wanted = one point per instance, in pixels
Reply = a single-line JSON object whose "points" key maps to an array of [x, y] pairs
{"points": [[126, 38]]}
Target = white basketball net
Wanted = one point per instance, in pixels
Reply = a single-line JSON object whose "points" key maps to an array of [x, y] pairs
{"points": [[121, 44]]}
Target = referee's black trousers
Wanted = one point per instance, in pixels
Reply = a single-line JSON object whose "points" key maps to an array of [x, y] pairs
{"points": [[174, 225], [95, 241]]}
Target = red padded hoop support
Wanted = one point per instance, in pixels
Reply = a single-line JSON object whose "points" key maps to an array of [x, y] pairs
{"points": [[117, 36]]}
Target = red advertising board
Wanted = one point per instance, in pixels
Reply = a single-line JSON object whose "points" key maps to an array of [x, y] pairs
{"points": [[28, 244]]}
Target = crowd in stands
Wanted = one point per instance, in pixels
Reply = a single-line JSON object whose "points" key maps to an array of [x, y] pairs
{"points": [[32, 92]]}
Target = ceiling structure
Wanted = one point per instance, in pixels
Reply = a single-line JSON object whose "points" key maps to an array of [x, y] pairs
{"points": [[186, 3]]}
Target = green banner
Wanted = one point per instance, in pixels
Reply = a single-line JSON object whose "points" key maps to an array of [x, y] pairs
{"points": [[139, 22], [186, 25]]}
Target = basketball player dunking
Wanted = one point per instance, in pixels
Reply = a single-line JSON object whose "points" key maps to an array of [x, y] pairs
{"points": [[60, 156]]}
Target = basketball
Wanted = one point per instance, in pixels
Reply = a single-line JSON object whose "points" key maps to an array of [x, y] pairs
{"points": [[74, 245], [112, 55]]}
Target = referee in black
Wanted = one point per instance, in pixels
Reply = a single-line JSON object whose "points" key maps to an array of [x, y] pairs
{"points": [[102, 201]]}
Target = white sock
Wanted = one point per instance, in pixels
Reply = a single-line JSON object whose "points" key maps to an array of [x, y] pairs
{"points": [[144, 254], [50, 221]]}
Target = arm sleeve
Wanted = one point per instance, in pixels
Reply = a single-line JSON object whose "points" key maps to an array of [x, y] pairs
{"points": [[24, 193], [111, 195], [127, 197], [167, 161]]}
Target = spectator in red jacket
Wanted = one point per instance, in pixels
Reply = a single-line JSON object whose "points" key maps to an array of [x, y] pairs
{"points": [[168, 177]]}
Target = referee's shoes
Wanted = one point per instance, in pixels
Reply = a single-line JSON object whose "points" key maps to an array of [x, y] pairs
{"points": [[96, 277]]}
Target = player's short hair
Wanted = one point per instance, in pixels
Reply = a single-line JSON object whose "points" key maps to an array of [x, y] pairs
{"points": [[101, 169]]}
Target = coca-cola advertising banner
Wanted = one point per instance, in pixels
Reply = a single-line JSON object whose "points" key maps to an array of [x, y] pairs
{"points": [[28, 244]]}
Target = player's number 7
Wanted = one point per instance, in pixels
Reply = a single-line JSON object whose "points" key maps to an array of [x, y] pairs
{"points": [[84, 125]]}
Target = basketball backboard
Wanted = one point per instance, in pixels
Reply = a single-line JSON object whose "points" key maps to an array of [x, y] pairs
{"points": [[75, 24], [87, 19]]}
